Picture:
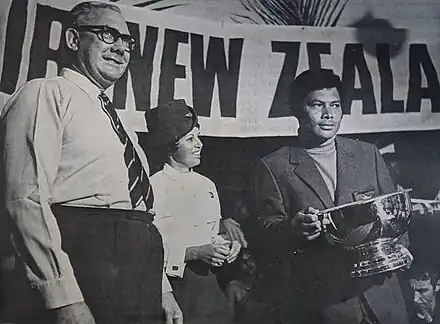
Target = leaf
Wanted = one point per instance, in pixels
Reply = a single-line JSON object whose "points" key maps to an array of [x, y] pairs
{"points": [[296, 12], [338, 16], [252, 20], [324, 11], [167, 7], [147, 3]]}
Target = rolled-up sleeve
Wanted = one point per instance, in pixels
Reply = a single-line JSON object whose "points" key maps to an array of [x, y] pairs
{"points": [[32, 125]]}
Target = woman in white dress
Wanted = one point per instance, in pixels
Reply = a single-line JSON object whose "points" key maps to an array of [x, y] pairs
{"points": [[188, 215]]}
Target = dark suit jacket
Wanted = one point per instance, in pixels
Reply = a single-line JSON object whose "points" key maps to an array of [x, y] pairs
{"points": [[288, 181]]}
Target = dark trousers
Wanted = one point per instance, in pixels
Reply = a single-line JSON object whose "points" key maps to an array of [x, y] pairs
{"points": [[200, 297], [117, 256]]}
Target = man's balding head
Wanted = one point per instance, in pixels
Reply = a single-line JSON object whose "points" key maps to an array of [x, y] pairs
{"points": [[85, 12]]}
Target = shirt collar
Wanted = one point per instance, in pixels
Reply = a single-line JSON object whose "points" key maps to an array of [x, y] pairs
{"points": [[82, 82], [175, 174]]}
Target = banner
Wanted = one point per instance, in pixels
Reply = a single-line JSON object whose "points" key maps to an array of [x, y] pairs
{"points": [[237, 77]]}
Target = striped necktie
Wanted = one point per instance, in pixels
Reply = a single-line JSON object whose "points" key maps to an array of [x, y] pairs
{"points": [[138, 181]]}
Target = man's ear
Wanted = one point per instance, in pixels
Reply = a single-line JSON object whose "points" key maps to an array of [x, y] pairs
{"points": [[72, 39]]}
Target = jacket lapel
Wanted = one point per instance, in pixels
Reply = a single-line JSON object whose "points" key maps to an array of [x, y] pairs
{"points": [[304, 167], [346, 166]]}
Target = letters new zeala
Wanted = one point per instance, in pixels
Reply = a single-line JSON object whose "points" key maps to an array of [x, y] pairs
{"points": [[211, 62]]}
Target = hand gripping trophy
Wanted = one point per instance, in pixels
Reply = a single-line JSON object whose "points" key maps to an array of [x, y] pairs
{"points": [[370, 229]]}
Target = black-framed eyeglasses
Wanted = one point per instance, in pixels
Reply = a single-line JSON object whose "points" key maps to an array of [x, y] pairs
{"points": [[109, 35]]}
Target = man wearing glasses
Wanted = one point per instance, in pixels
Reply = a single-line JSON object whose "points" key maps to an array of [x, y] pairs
{"points": [[80, 245]]}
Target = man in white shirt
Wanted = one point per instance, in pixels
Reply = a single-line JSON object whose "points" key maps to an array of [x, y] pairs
{"points": [[81, 245]]}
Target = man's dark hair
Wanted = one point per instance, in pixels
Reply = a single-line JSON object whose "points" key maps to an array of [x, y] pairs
{"points": [[311, 80], [85, 11]]}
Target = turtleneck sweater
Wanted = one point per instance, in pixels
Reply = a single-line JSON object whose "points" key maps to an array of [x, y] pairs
{"points": [[324, 157]]}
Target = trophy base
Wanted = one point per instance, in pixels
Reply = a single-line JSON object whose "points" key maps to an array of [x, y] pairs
{"points": [[381, 255]]}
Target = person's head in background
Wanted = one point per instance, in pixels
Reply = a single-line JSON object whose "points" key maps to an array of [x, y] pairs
{"points": [[425, 283], [175, 132], [316, 101]]}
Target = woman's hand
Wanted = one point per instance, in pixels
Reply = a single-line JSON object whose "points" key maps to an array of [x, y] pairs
{"points": [[233, 253], [233, 230], [213, 254]]}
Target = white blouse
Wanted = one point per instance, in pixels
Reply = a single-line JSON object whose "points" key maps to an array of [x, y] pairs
{"points": [[187, 214]]}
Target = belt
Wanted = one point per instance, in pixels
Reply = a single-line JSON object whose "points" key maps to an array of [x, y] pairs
{"points": [[137, 215]]}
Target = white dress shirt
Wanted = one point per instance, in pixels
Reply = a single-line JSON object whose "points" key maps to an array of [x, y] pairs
{"points": [[60, 148], [187, 214]]}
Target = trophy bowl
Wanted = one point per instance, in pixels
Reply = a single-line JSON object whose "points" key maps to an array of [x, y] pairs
{"points": [[369, 229]]}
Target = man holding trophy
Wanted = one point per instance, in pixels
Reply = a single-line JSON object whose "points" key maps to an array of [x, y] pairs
{"points": [[321, 263]]}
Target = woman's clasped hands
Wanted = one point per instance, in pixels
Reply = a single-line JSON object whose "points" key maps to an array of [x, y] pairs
{"points": [[215, 254]]}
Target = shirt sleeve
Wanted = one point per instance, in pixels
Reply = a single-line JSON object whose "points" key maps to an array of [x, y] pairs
{"points": [[175, 261], [215, 222], [174, 249], [33, 130], [216, 237]]}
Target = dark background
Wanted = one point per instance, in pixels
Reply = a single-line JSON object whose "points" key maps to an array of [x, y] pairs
{"points": [[229, 162]]}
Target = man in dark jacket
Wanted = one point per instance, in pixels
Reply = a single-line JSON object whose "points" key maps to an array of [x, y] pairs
{"points": [[307, 277]]}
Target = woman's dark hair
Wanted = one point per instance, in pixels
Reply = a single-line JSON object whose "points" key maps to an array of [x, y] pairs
{"points": [[158, 155]]}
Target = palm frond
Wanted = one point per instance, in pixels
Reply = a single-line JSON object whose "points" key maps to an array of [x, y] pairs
{"points": [[250, 19], [149, 3], [167, 7], [326, 9], [295, 12], [339, 14]]}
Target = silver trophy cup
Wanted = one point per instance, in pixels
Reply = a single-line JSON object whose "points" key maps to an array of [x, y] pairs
{"points": [[370, 229]]}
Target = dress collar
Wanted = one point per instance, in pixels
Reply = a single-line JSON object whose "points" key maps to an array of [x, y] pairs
{"points": [[175, 174]]}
